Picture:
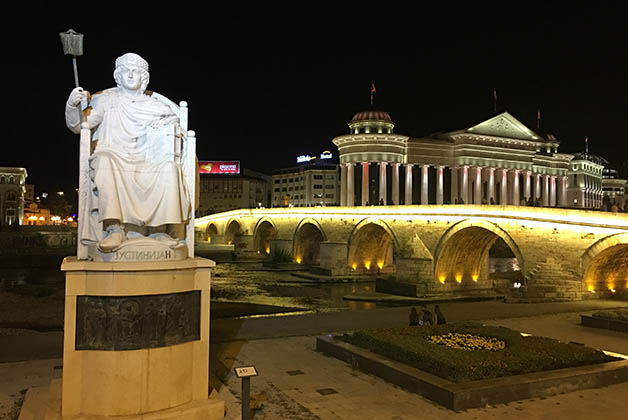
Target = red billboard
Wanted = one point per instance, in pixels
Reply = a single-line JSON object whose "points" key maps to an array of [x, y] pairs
{"points": [[219, 167]]}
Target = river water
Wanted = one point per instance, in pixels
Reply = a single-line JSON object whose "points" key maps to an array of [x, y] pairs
{"points": [[242, 288]]}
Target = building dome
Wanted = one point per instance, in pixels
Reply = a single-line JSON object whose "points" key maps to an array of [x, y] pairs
{"points": [[371, 122], [371, 116]]}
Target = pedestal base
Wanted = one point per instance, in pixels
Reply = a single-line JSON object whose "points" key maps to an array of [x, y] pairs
{"points": [[45, 404], [136, 342]]}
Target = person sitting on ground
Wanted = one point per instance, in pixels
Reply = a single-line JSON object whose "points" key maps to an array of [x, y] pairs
{"points": [[427, 317], [414, 317], [440, 318]]}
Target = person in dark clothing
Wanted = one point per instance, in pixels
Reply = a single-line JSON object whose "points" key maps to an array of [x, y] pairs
{"points": [[427, 318], [440, 318], [414, 317]]}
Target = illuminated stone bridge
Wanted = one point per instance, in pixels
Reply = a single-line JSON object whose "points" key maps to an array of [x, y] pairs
{"points": [[561, 253]]}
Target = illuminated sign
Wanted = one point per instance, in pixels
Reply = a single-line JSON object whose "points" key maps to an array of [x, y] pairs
{"points": [[219, 167], [305, 158]]}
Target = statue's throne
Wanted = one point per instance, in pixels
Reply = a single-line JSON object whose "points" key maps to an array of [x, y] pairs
{"points": [[176, 143]]}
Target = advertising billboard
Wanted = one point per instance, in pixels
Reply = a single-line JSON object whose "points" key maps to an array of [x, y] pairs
{"points": [[219, 167]]}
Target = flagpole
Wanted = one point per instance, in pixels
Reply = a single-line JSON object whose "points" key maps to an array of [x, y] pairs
{"points": [[372, 91]]}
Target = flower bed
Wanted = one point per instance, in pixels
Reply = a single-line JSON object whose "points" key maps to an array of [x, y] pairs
{"points": [[518, 355], [467, 341]]}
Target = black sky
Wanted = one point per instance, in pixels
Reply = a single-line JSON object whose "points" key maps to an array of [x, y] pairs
{"points": [[266, 84]]}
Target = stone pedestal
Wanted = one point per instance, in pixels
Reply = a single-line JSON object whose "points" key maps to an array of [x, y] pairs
{"points": [[136, 342]]}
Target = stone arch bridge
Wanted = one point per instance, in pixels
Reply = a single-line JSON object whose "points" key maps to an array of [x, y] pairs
{"points": [[562, 253]]}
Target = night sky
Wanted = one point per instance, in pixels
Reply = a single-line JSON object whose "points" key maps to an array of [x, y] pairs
{"points": [[266, 84]]}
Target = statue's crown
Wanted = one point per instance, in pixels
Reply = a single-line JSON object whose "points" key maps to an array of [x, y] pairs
{"points": [[132, 59]]}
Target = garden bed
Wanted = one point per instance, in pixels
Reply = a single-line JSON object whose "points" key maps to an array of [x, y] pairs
{"points": [[512, 367], [616, 320]]}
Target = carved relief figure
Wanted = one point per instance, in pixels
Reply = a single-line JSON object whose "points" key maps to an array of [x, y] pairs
{"points": [[137, 189]]}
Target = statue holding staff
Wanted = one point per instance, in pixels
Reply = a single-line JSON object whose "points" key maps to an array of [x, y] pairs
{"points": [[137, 189]]}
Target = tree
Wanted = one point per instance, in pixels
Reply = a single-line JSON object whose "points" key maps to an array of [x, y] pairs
{"points": [[59, 206]]}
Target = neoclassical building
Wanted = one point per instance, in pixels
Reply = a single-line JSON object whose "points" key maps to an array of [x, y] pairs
{"points": [[12, 189], [498, 161]]}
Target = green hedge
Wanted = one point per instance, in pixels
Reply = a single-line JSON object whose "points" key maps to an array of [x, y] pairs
{"points": [[618, 314], [528, 354]]}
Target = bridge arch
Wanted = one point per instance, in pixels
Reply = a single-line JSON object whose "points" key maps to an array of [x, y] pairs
{"points": [[211, 230], [265, 230], [462, 254], [307, 241], [371, 247], [605, 265], [233, 229]]}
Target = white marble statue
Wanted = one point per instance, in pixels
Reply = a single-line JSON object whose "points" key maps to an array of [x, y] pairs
{"points": [[137, 188]]}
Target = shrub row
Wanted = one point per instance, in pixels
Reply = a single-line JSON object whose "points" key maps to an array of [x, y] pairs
{"points": [[618, 314], [410, 345]]}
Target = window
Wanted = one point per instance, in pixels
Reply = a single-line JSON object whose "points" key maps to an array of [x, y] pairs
{"points": [[318, 176], [11, 196], [329, 187], [9, 217], [318, 187]]}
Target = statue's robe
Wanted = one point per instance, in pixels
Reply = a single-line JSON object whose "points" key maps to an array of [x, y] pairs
{"points": [[130, 182]]}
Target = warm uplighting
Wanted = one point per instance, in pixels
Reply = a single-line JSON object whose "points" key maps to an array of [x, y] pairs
{"points": [[459, 278], [268, 250], [380, 264], [442, 278], [354, 266], [590, 288], [367, 264], [298, 260], [475, 277]]}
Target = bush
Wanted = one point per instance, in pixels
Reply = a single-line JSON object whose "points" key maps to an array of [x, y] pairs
{"points": [[281, 256], [411, 345], [619, 314]]}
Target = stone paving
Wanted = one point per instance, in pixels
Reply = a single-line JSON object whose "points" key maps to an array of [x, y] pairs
{"points": [[296, 382]]}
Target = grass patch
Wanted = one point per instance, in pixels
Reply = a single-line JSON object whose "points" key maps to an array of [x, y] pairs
{"points": [[519, 355]]}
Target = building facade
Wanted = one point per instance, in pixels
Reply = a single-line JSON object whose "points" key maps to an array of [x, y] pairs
{"points": [[307, 185], [224, 192], [613, 187], [498, 161], [585, 181], [12, 190]]}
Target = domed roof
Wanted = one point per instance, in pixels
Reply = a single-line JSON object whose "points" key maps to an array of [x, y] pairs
{"points": [[371, 116]]}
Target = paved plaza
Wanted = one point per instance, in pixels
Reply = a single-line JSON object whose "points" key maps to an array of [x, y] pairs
{"points": [[297, 382]]}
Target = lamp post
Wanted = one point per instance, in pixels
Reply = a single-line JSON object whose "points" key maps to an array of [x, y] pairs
{"points": [[72, 45]]}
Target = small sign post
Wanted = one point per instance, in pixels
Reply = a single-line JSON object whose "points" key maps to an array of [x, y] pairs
{"points": [[245, 373]]}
